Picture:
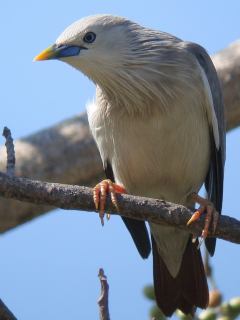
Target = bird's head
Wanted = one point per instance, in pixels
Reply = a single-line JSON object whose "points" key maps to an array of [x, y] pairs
{"points": [[122, 57], [93, 45]]}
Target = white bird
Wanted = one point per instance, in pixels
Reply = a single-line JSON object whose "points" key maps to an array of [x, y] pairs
{"points": [[158, 123]]}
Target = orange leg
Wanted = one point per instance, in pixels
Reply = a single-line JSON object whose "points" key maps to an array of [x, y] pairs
{"points": [[212, 215], [100, 192]]}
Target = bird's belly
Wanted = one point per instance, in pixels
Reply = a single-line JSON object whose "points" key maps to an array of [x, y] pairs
{"points": [[161, 159], [165, 156]]}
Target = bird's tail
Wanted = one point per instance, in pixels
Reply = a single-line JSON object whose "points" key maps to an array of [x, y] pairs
{"points": [[185, 292]]}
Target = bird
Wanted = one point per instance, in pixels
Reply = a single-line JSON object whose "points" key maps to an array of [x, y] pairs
{"points": [[158, 122]]}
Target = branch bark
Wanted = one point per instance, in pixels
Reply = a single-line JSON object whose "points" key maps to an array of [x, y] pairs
{"points": [[63, 153], [80, 198], [10, 152], [227, 63], [103, 299], [5, 313], [67, 153]]}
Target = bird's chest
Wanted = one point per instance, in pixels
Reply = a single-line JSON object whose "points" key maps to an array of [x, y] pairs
{"points": [[155, 156]]}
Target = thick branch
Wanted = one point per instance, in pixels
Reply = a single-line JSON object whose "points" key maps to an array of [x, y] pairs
{"points": [[5, 313], [67, 153], [80, 198], [64, 153], [227, 63]]}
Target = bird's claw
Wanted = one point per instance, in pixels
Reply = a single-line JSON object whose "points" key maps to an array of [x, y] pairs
{"points": [[100, 192], [211, 218]]}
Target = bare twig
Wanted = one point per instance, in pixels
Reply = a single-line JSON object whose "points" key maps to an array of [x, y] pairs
{"points": [[5, 313], [80, 198], [103, 299], [10, 151]]}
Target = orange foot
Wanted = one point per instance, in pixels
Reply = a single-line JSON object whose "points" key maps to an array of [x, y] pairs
{"points": [[212, 215], [100, 195]]}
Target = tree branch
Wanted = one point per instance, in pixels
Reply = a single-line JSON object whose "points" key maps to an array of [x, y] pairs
{"points": [[103, 299], [227, 63], [80, 198], [5, 313], [10, 152], [72, 156]]}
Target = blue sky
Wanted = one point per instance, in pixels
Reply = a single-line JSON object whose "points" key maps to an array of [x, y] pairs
{"points": [[48, 267]]}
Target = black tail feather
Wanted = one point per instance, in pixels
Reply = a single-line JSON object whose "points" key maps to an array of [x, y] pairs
{"points": [[185, 292]]}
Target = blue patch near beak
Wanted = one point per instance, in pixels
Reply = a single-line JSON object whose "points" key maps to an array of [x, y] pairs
{"points": [[58, 52], [64, 51]]}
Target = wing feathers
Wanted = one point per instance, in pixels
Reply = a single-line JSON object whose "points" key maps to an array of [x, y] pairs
{"points": [[215, 111]]}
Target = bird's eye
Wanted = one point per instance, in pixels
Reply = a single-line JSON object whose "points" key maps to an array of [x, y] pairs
{"points": [[89, 37]]}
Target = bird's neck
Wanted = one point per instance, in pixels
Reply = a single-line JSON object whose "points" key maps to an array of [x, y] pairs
{"points": [[133, 92], [137, 84]]}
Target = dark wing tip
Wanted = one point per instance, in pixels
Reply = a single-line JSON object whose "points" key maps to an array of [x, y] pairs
{"points": [[139, 233]]}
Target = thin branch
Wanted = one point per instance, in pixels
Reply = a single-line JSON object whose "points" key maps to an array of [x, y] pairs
{"points": [[80, 198], [10, 151], [5, 313], [103, 299]]}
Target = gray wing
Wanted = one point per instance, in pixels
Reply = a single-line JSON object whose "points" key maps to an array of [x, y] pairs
{"points": [[214, 180]]}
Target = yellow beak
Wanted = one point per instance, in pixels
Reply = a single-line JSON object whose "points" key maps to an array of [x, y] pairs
{"points": [[46, 54], [58, 52]]}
